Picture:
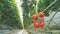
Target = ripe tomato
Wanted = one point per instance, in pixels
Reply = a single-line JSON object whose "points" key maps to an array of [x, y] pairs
{"points": [[41, 14], [36, 25], [41, 24], [35, 16]]}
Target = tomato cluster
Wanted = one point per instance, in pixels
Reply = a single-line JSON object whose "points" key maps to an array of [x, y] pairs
{"points": [[40, 15]]}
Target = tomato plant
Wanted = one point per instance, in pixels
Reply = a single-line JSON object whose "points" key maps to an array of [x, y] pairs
{"points": [[39, 16]]}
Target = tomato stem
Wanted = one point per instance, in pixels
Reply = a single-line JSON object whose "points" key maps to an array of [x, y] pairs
{"points": [[37, 1]]}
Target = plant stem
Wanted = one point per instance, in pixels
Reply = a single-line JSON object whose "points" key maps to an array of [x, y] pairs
{"points": [[37, 6], [50, 5]]}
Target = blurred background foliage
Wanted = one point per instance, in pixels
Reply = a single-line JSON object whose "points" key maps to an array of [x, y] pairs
{"points": [[9, 17]]}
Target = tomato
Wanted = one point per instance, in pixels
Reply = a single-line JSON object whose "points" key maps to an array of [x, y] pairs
{"points": [[35, 16], [41, 24], [41, 14], [36, 25]]}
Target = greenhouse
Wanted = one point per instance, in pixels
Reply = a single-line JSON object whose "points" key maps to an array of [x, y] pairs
{"points": [[29, 16]]}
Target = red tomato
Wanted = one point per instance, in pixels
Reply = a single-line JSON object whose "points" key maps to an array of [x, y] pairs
{"points": [[41, 24], [35, 16], [41, 14], [36, 25]]}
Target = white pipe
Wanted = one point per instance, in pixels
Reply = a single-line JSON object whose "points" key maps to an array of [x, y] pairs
{"points": [[19, 3]]}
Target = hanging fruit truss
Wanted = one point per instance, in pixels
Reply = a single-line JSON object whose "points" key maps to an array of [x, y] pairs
{"points": [[32, 10]]}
